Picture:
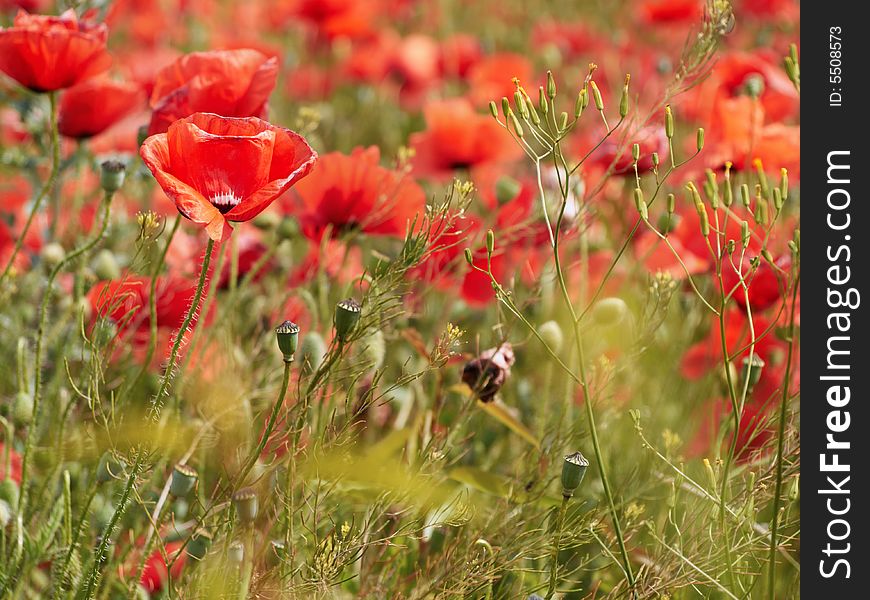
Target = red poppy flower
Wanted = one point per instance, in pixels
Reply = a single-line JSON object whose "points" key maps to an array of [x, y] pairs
{"points": [[93, 106], [457, 137], [492, 77], [671, 11], [232, 83], [47, 53], [764, 286], [353, 190], [156, 571], [15, 470], [219, 169]]}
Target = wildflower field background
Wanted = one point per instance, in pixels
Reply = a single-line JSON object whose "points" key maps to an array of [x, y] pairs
{"points": [[399, 299]]}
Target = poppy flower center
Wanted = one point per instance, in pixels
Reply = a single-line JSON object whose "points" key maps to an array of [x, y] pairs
{"points": [[225, 202]]}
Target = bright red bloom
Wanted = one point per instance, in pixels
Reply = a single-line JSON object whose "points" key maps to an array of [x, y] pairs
{"points": [[231, 83], [671, 11], [457, 137], [354, 191], [15, 467], [47, 53], [156, 571], [219, 169], [492, 77], [764, 287], [93, 106]]}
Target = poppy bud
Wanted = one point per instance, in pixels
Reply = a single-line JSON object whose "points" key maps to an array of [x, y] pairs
{"points": [[705, 222], [468, 257], [672, 203], [288, 339], [51, 254], [696, 197], [506, 189], [551, 333], [728, 200], [783, 183], [744, 233], [712, 189], [744, 195], [183, 479], [551, 85], [797, 239], [245, 503], [669, 122], [517, 128], [635, 152], [573, 470], [109, 468], [640, 203], [493, 109], [312, 350], [520, 103], [655, 160], [596, 94], [563, 120], [580, 103], [490, 242], [532, 112], [347, 314], [623, 101], [199, 544], [752, 369], [22, 409], [112, 175], [236, 553], [609, 311], [777, 199], [542, 101], [106, 266], [505, 106], [699, 142]]}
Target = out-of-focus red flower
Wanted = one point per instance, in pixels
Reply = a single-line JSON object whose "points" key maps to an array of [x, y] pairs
{"points": [[764, 287], [338, 18], [145, 22], [309, 82], [218, 169], [47, 53], [448, 237], [143, 65], [671, 11], [15, 191], [354, 191], [492, 77], [12, 129], [573, 39], [754, 431], [156, 571], [341, 262], [457, 137], [617, 153], [251, 250], [92, 107], [15, 467], [230, 83], [458, 54]]}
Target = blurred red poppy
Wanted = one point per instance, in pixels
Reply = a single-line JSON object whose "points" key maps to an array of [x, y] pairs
{"points": [[219, 169], [15, 465], [156, 571], [492, 77], [354, 191], [231, 83], [95, 105], [457, 137], [48, 53]]}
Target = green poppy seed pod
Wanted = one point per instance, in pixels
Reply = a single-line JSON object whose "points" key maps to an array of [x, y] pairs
{"points": [[543, 104], [267, 221], [573, 470], [744, 195], [287, 334], [783, 183], [246, 505], [493, 109], [236, 554], [744, 233], [9, 493], [596, 94], [579, 104], [752, 369], [655, 160], [505, 106], [183, 480], [635, 152], [347, 314], [640, 203], [141, 134], [199, 543], [608, 312], [112, 175], [669, 122], [551, 85], [109, 468], [469, 258], [699, 140], [672, 203], [551, 333], [490, 242]]}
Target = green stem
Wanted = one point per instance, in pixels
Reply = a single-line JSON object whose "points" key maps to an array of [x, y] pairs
{"points": [[48, 187], [557, 540], [37, 360]]}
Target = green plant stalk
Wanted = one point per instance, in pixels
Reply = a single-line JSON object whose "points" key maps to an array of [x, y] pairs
{"points": [[780, 443], [47, 188], [154, 415], [557, 540], [33, 431]]}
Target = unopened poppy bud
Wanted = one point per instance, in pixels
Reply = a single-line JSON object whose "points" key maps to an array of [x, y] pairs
{"points": [[596, 95], [608, 312], [505, 106], [22, 409], [573, 470], [696, 196], [623, 100], [699, 141], [744, 233], [112, 175], [520, 103], [777, 199], [469, 258], [245, 503], [580, 103], [705, 222], [744, 195], [767, 255], [51, 254], [543, 104], [347, 314], [287, 334], [311, 350], [106, 266], [672, 203], [199, 543], [728, 198], [551, 85], [109, 468], [635, 152], [506, 189], [655, 160], [517, 128], [783, 183], [563, 120], [551, 333], [761, 210], [640, 203], [712, 189], [752, 369], [669, 122], [797, 239], [762, 178], [493, 109], [183, 479], [236, 553], [490, 242], [532, 112]]}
